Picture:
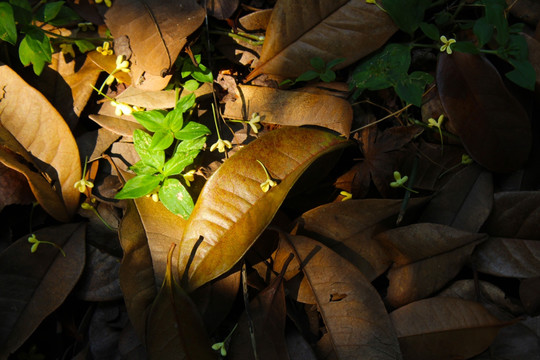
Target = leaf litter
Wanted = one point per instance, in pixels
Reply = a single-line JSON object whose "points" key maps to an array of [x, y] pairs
{"points": [[433, 269]]}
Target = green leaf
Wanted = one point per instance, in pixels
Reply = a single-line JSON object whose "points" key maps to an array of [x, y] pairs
{"points": [[161, 140], [200, 73], [192, 130], [483, 31], [191, 85], [191, 144], [177, 164], [318, 64], [152, 120], [176, 198], [185, 103], [495, 16], [49, 11], [334, 62], [65, 16], [465, 47], [523, 74], [150, 157], [140, 168], [442, 18], [328, 76], [174, 120], [430, 30], [232, 210], [412, 88], [22, 11], [518, 48], [406, 14], [138, 186], [84, 45], [35, 48], [307, 76], [8, 29]]}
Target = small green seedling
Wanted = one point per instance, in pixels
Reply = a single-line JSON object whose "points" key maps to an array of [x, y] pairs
{"points": [[322, 71], [222, 346], [400, 182], [437, 124], [35, 243]]}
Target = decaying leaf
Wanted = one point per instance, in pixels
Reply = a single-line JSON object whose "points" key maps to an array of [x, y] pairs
{"points": [[352, 311], [43, 133], [233, 210], [35, 284], [291, 108], [13, 188], [299, 31], [426, 257], [483, 113], [444, 329]]}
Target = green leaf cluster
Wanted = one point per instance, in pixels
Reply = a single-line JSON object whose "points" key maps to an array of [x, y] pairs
{"points": [[389, 68], [322, 71], [191, 75], [154, 172], [17, 16], [408, 15]]}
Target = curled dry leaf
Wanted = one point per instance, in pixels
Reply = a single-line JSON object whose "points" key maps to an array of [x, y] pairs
{"points": [[156, 29], [291, 108], [300, 31], [117, 125], [13, 187], [444, 329], [233, 210], [35, 284], [221, 9], [509, 257], [351, 308], [426, 257], [42, 132], [483, 113]]}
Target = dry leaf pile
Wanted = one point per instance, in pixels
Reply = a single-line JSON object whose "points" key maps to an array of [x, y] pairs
{"points": [[332, 261]]}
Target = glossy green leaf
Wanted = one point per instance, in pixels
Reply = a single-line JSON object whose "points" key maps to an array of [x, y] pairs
{"points": [[191, 85], [174, 120], [523, 74], [232, 210], [185, 103], [412, 87], [140, 168], [161, 140], [48, 11], [138, 186], [430, 30], [22, 11], [483, 31], [190, 145], [84, 45], [176, 198], [8, 30], [192, 130], [142, 142], [174, 328], [64, 17], [178, 162], [35, 49], [153, 120], [406, 14]]}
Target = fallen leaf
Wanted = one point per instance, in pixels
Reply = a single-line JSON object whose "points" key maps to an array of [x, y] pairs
{"points": [[117, 125], [174, 328], [529, 296], [221, 9], [40, 129], [233, 210], [108, 64], [508, 257], [291, 108], [298, 32], [35, 284], [157, 30], [444, 329], [516, 342], [426, 256], [483, 113], [464, 202], [14, 187], [357, 323]]}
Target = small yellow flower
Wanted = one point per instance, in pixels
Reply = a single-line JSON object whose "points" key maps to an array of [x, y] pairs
{"points": [[221, 145], [35, 243], [254, 122], [189, 177], [400, 181], [105, 49], [121, 108], [85, 26], [109, 80], [107, 2], [269, 183], [82, 184], [437, 124], [447, 44], [347, 195], [370, 2], [122, 64], [154, 195], [466, 159], [67, 49]]}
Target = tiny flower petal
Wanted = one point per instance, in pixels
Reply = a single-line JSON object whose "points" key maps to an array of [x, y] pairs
{"points": [[221, 145], [105, 49], [466, 159], [189, 177], [446, 46], [346, 195]]}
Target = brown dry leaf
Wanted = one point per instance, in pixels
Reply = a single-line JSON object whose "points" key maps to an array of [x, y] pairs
{"points": [[117, 125], [257, 20], [300, 31], [464, 202], [351, 308], [13, 187], [529, 295], [515, 215], [349, 228], [534, 54], [164, 99], [516, 342], [483, 113], [444, 329], [233, 210], [156, 29], [509, 257], [35, 284], [426, 257], [221, 9], [99, 280], [174, 327], [291, 108], [40, 129]]}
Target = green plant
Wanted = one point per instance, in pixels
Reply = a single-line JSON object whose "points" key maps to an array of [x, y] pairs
{"points": [[35, 243], [322, 71], [401, 181], [19, 20], [157, 174]]}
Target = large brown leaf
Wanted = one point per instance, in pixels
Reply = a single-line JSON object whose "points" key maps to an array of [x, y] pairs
{"points": [[351, 308], [39, 128], [156, 29], [426, 257], [232, 210], [292, 108], [444, 329], [35, 284], [174, 328], [300, 31], [487, 118]]}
